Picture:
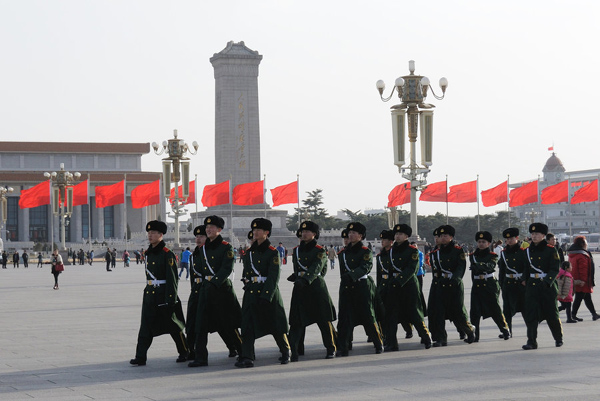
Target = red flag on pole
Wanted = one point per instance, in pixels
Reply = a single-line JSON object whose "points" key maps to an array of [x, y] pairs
{"points": [[35, 196], [524, 195], [496, 195], [215, 195], [192, 195], [285, 194], [435, 192], [400, 195], [145, 195], [556, 193], [109, 195], [80, 194], [589, 193], [463, 193], [248, 194]]}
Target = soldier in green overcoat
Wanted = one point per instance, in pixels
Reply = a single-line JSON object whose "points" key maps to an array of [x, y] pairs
{"points": [[161, 307], [543, 264], [262, 307], [485, 290], [196, 283], [403, 301], [383, 276], [446, 297], [357, 291], [311, 302], [512, 262], [218, 306]]}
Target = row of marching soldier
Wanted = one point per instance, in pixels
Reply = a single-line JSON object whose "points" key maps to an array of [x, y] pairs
{"points": [[527, 278]]}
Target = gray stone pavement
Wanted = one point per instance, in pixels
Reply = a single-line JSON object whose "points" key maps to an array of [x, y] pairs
{"points": [[75, 344]]}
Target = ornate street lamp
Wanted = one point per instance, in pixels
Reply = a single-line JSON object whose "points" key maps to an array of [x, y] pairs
{"points": [[412, 90], [176, 149], [4, 206], [62, 197]]}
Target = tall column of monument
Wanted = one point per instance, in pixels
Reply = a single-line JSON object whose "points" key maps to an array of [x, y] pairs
{"points": [[237, 133]]}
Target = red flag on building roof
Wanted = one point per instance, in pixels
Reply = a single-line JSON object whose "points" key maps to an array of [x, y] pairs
{"points": [[35, 196], [496, 195], [463, 193], [435, 192], [285, 194], [145, 195], [110, 195], [251, 193], [400, 195], [589, 193], [191, 197], [215, 195], [524, 195], [556, 193]]}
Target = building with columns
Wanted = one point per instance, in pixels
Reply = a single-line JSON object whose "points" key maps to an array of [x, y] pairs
{"points": [[22, 165]]}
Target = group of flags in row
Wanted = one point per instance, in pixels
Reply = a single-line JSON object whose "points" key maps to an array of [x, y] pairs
{"points": [[252, 193], [526, 194]]}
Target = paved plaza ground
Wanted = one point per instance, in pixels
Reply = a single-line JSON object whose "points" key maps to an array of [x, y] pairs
{"points": [[75, 344]]}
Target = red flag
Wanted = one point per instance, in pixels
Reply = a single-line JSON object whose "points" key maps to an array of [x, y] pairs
{"points": [[215, 195], [400, 195], [191, 197], [463, 193], [285, 194], [435, 192], [109, 195], [80, 194], [145, 195], [496, 195], [589, 193], [35, 196], [251, 193], [551, 148], [525, 194], [556, 193]]}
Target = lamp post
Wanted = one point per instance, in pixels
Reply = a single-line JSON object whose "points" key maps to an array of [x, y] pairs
{"points": [[176, 149], [412, 90], [62, 197], [3, 207]]}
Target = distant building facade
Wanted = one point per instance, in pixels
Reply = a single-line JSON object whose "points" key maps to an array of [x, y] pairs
{"points": [[562, 218], [22, 165]]}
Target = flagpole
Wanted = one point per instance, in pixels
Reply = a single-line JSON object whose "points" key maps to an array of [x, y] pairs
{"points": [[264, 200], [195, 197], [477, 191], [569, 200], [125, 207], [51, 221], [540, 198], [298, 190], [507, 198], [447, 222], [89, 214], [230, 211]]}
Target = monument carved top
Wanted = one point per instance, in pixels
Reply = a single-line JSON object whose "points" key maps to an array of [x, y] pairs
{"points": [[236, 50]]}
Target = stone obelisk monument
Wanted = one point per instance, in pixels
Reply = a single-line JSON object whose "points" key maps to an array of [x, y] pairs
{"points": [[237, 137]]}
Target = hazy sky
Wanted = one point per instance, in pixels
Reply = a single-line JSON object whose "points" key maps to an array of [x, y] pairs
{"points": [[522, 75]]}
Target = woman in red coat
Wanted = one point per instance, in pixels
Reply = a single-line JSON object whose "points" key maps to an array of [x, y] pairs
{"points": [[583, 276]]}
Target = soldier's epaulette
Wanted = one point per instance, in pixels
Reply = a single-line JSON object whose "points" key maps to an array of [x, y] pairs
{"points": [[457, 246], [551, 246], [271, 247], [364, 247], [225, 242], [413, 246], [493, 253], [318, 246], [166, 249], [295, 247], [341, 250]]}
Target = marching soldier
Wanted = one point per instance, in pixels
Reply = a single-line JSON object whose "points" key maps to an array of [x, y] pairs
{"points": [[541, 289], [511, 266], [218, 307], [262, 307], [357, 291], [403, 301], [311, 302], [161, 307], [195, 282], [383, 274], [446, 297], [485, 290]]}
